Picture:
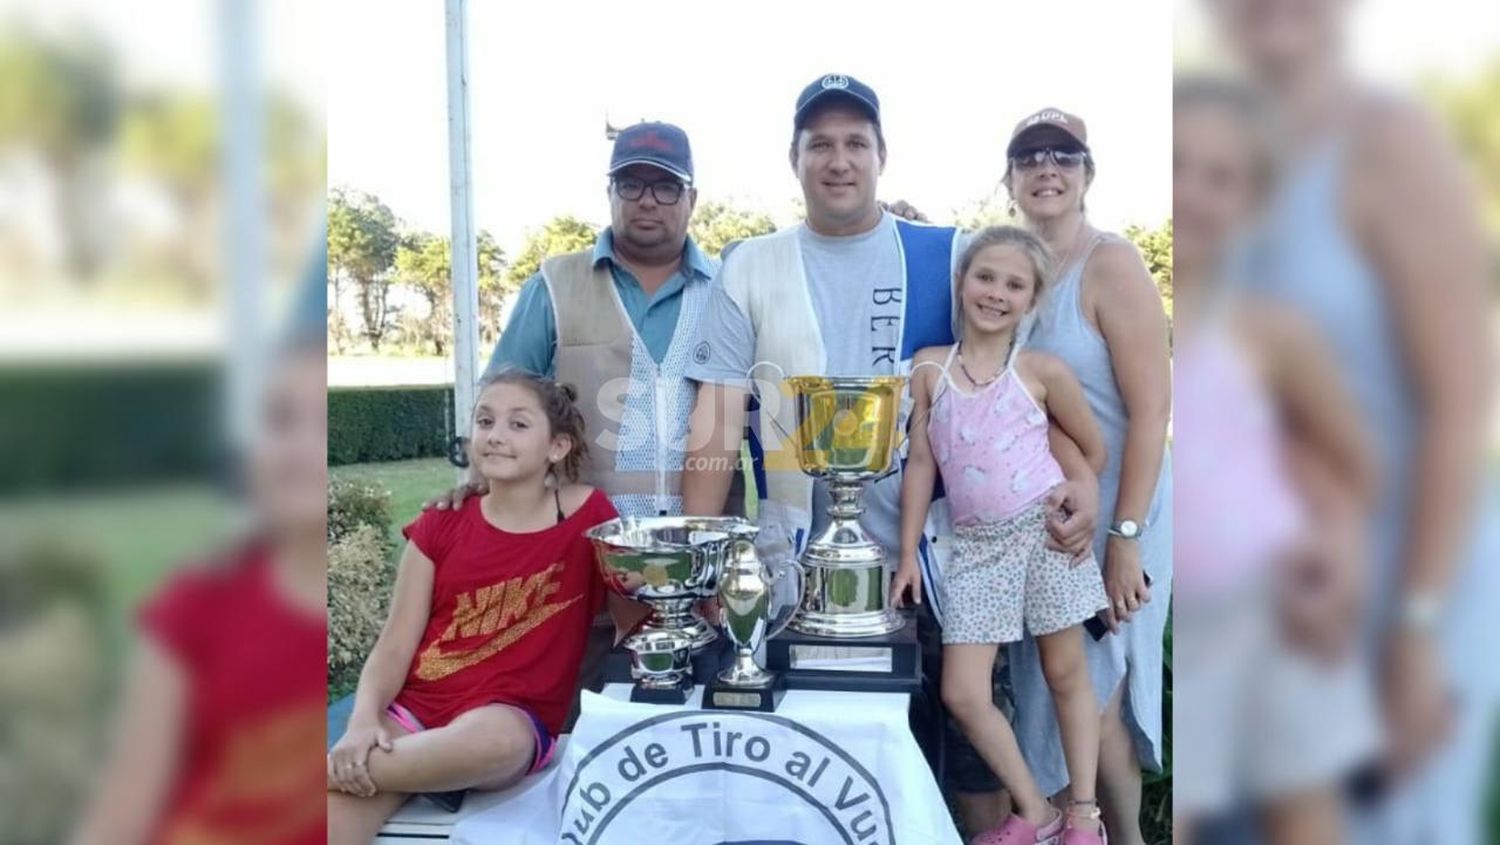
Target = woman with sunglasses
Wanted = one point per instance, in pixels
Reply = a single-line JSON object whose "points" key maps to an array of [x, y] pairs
{"points": [[1104, 318]]}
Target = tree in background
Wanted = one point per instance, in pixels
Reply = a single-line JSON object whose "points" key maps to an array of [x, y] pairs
{"points": [[715, 224], [296, 157], [1472, 112], [362, 244], [176, 139], [1156, 248], [559, 236], [424, 263], [59, 101], [494, 287], [990, 211]]}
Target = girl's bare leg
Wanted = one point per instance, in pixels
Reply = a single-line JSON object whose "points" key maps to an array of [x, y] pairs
{"points": [[969, 697], [1066, 670], [488, 747]]}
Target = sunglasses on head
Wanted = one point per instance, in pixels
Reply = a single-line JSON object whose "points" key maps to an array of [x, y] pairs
{"points": [[1064, 157]]}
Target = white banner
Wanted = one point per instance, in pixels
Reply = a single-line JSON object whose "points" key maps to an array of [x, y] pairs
{"points": [[827, 767]]}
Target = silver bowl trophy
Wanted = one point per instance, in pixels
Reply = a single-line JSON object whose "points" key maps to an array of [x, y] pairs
{"points": [[671, 563]]}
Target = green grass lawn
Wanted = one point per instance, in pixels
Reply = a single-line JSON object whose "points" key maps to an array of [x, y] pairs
{"points": [[410, 483], [137, 535], [413, 482]]}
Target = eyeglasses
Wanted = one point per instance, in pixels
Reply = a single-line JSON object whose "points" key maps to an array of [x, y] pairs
{"points": [[664, 191], [1066, 158]]}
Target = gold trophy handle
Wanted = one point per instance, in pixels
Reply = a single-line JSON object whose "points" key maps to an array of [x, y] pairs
{"points": [[750, 374], [911, 422]]}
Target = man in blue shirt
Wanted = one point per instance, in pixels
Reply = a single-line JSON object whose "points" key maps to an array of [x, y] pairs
{"points": [[616, 321], [646, 249]]}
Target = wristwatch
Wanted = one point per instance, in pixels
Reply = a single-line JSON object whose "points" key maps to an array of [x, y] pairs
{"points": [[1126, 529]]}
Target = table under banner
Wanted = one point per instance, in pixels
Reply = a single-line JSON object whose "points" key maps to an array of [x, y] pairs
{"points": [[826, 767]]}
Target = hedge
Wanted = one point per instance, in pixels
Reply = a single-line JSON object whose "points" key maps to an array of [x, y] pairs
{"points": [[78, 426], [70, 426], [388, 424]]}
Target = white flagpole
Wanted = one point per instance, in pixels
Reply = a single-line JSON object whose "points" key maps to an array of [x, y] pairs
{"points": [[465, 261]]}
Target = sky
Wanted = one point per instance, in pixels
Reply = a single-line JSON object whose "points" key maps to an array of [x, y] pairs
{"points": [[180, 42], [952, 81], [953, 78], [1394, 41]]}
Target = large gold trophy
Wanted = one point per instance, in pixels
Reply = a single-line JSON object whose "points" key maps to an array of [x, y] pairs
{"points": [[847, 435]]}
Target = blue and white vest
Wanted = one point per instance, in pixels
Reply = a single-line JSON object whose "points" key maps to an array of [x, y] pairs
{"points": [[635, 411], [766, 278]]}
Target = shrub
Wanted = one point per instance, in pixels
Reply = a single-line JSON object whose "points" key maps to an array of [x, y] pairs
{"points": [[53, 677], [351, 504], [359, 595]]}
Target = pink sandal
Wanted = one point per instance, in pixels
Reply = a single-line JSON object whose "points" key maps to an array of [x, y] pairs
{"points": [[1073, 836], [1017, 831]]}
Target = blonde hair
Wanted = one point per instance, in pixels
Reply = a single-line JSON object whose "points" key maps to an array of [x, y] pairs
{"points": [[1013, 236]]}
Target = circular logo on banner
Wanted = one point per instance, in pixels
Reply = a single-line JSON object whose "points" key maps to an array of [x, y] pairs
{"points": [[701, 352], [835, 80], [757, 760]]}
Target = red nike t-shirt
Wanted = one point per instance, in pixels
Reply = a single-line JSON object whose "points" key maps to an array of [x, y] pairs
{"points": [[510, 613], [252, 764]]}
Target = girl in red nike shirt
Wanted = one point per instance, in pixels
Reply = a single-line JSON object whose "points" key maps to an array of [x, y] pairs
{"points": [[474, 672], [225, 703]]}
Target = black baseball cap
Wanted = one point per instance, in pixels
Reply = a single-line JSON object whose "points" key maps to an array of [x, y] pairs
{"points": [[836, 86]]}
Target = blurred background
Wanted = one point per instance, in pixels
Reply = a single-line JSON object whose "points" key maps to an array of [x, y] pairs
{"points": [[162, 191], [161, 194], [1337, 165]]}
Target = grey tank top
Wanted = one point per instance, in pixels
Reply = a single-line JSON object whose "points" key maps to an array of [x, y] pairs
{"points": [[1062, 329]]}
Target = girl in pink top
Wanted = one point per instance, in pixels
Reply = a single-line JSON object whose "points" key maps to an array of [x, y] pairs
{"points": [[981, 421], [1275, 477]]}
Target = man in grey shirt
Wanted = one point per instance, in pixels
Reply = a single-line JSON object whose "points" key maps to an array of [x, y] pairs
{"points": [[856, 266], [858, 309]]}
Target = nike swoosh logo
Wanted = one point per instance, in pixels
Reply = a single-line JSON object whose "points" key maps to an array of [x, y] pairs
{"points": [[436, 665]]}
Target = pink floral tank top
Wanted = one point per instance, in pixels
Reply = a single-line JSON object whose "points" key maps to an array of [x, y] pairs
{"points": [[991, 447], [1236, 507]]}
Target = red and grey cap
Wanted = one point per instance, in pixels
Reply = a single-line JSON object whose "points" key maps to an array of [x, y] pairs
{"points": [[657, 144], [1070, 125]]}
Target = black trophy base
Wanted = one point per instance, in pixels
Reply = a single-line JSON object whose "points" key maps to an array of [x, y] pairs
{"points": [[677, 695], [881, 663], [719, 695]]}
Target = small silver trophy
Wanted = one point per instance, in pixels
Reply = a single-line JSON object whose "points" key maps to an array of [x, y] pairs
{"points": [[747, 591]]}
